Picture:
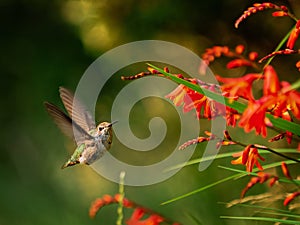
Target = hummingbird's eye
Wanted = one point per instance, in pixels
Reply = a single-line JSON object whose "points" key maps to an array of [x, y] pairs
{"points": [[100, 128]]}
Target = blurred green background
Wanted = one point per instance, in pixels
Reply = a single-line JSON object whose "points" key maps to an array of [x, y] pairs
{"points": [[47, 44]]}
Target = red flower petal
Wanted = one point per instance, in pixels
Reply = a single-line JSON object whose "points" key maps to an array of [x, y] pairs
{"points": [[271, 81], [279, 14], [238, 63], [239, 49], [285, 170], [293, 36], [290, 197]]}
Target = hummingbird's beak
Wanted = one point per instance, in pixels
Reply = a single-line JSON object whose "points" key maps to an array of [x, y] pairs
{"points": [[112, 123]]}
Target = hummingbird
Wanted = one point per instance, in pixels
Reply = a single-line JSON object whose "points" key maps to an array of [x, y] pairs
{"points": [[92, 141]]}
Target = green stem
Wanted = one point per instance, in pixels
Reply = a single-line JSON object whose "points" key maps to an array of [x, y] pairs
{"points": [[280, 45], [122, 194], [201, 189]]}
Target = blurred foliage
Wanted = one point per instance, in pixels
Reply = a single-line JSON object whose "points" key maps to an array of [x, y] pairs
{"points": [[46, 44]]}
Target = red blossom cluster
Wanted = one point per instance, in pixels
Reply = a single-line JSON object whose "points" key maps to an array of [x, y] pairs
{"points": [[139, 212], [237, 54], [262, 177], [281, 11], [278, 99], [248, 157], [259, 179], [210, 136], [193, 100]]}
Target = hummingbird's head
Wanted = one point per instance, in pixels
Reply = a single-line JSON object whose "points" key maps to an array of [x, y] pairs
{"points": [[105, 128]]}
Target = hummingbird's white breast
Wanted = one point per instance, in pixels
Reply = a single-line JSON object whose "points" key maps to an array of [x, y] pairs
{"points": [[94, 150]]}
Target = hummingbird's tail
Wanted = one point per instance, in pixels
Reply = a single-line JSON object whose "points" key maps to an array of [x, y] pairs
{"points": [[69, 163]]}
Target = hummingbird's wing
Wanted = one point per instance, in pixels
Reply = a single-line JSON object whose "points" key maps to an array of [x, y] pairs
{"points": [[66, 124], [78, 113]]}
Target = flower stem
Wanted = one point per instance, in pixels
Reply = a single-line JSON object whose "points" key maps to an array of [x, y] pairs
{"points": [[267, 149], [122, 194], [280, 45]]}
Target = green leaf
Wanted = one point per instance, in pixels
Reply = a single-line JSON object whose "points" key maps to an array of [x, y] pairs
{"points": [[240, 174], [245, 173], [274, 220], [200, 189], [193, 218], [262, 209], [224, 155]]}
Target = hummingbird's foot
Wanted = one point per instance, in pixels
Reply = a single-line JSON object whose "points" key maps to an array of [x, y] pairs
{"points": [[69, 163]]}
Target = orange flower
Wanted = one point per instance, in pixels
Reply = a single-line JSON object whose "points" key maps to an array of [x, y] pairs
{"points": [[239, 49], [271, 81], [278, 99], [232, 116], [99, 203], [279, 14], [210, 137], [290, 197], [241, 86], [191, 99], [238, 63], [290, 100], [259, 7], [273, 181], [293, 36], [261, 178], [248, 157], [253, 56], [139, 213], [285, 170], [178, 94], [254, 115], [298, 65], [284, 98]]}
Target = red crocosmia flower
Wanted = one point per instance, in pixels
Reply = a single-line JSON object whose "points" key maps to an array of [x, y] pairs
{"points": [[293, 36], [279, 14], [287, 99], [191, 99], [273, 181], [271, 81], [298, 65], [292, 100], [278, 99], [232, 116], [254, 115], [99, 203], [238, 63], [177, 95], [283, 100], [251, 183], [249, 157], [241, 86], [261, 178], [137, 215], [285, 170], [253, 56], [239, 49], [290, 197]]}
